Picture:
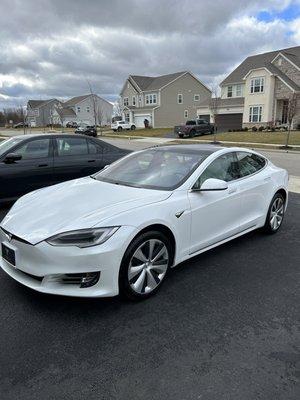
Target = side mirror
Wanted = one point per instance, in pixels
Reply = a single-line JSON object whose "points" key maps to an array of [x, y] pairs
{"points": [[12, 157], [212, 184]]}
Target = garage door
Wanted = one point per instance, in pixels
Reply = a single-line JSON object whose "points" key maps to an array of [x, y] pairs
{"points": [[139, 120], [229, 121], [206, 117]]}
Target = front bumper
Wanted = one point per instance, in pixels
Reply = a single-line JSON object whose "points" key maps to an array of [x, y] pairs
{"points": [[43, 267]]}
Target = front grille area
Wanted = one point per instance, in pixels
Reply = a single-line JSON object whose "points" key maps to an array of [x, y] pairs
{"points": [[84, 280]]}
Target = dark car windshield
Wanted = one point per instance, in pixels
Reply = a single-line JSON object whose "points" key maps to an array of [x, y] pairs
{"points": [[7, 144], [162, 169], [192, 122]]}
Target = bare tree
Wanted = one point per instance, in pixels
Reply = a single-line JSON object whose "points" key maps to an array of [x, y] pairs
{"points": [[94, 104], [291, 112], [214, 108], [118, 109]]}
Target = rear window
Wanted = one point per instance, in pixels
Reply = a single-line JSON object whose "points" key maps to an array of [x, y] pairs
{"points": [[249, 163], [190, 122]]}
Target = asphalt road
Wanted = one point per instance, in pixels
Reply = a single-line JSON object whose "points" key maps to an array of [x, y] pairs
{"points": [[224, 326]]}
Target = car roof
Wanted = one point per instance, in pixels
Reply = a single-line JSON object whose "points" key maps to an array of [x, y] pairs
{"points": [[194, 147], [46, 135]]}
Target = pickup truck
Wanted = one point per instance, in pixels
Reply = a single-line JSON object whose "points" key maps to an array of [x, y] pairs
{"points": [[120, 125], [194, 127]]}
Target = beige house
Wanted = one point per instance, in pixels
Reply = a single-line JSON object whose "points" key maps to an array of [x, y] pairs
{"points": [[257, 92], [164, 101]]}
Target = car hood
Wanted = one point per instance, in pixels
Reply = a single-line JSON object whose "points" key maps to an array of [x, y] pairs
{"points": [[77, 204]]}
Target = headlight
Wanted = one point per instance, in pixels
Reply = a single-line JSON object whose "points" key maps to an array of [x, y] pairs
{"points": [[83, 237]]}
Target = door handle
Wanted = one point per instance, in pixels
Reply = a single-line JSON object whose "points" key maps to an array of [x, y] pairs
{"points": [[42, 165], [91, 160], [232, 190]]}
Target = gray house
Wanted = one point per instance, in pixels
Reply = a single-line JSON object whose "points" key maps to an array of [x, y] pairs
{"points": [[82, 109], [40, 112], [257, 92], [164, 101]]}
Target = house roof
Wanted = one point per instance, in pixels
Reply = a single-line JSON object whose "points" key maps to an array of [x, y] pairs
{"points": [[75, 100], [154, 82], [260, 61], [39, 103], [276, 71], [231, 102], [65, 112]]}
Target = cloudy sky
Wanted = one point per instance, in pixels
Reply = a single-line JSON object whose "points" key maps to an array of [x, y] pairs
{"points": [[50, 48]]}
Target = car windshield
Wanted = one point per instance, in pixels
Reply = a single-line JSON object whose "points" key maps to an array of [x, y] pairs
{"points": [[161, 169], [190, 122], [7, 144]]}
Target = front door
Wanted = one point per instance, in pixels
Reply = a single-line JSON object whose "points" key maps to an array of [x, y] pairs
{"points": [[215, 215], [33, 171]]}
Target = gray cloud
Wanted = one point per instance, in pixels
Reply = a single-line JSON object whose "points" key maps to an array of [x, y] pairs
{"points": [[49, 48]]}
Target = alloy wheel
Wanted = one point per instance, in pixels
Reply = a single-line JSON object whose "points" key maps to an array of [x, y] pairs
{"points": [[276, 214], [148, 266]]}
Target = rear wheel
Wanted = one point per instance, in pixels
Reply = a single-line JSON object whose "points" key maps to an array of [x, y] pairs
{"points": [[275, 214], [145, 265], [119, 129], [132, 127], [192, 133]]}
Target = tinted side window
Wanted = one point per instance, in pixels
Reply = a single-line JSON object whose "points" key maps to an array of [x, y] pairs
{"points": [[34, 149], [224, 168], [249, 163], [72, 146], [94, 148]]}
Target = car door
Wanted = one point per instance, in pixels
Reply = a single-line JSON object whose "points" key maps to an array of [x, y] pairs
{"points": [[75, 157], [255, 186], [215, 215], [33, 171]]}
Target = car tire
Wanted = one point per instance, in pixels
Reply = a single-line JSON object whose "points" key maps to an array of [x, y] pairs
{"points": [[140, 277], [132, 127], [192, 133], [181, 136], [275, 214], [114, 130], [120, 129]]}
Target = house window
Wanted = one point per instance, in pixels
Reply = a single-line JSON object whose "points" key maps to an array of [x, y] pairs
{"points": [[257, 85], [88, 109], [229, 91], [186, 113], [238, 90], [179, 98], [125, 101], [151, 98], [279, 61], [140, 99], [133, 100], [255, 114], [127, 117], [78, 109], [196, 97]]}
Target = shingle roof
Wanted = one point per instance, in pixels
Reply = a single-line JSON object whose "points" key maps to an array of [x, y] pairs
{"points": [[75, 100], [38, 103], [231, 102], [260, 60], [66, 112], [276, 71], [154, 82]]}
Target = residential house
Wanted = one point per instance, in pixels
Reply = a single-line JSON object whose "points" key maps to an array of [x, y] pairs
{"points": [[257, 92], [85, 107], [164, 101], [40, 112], [79, 109]]}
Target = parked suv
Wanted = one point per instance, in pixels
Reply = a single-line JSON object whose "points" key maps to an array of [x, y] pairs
{"points": [[120, 125], [194, 127]]}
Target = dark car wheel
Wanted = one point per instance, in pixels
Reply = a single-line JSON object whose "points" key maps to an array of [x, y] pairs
{"points": [[132, 127], [145, 265], [192, 133], [181, 136], [120, 129], [275, 214]]}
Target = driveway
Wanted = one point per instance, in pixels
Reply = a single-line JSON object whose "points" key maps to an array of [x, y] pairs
{"points": [[224, 326]]}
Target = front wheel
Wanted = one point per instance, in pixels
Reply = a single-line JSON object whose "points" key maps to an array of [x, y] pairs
{"points": [[145, 265], [192, 134], [132, 127], [120, 129], [275, 214]]}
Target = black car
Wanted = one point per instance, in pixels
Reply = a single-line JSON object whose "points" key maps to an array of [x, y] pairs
{"points": [[86, 130], [71, 124], [21, 125], [30, 162]]}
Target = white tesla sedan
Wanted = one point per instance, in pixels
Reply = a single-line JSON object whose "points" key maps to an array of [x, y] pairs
{"points": [[122, 229]]}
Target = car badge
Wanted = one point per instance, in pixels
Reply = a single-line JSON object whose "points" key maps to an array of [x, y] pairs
{"points": [[179, 214]]}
